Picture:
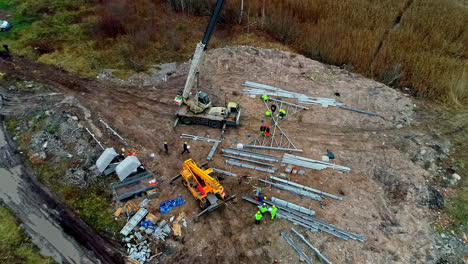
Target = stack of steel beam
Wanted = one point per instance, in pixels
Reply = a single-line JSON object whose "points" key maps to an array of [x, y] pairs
{"points": [[298, 191], [311, 164], [248, 166], [317, 252], [260, 89], [292, 206], [225, 172], [302, 255], [308, 221], [305, 188], [250, 154], [248, 160]]}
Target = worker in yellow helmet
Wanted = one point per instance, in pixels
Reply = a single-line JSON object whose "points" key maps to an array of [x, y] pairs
{"points": [[282, 113], [166, 147], [273, 211], [258, 217], [186, 148]]}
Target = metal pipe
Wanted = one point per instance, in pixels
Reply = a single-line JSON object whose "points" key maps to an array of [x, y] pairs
{"points": [[113, 131], [358, 110], [94, 137], [296, 248], [305, 187], [319, 255], [192, 137], [292, 206], [212, 151], [252, 161], [307, 194], [248, 166], [225, 172], [272, 148], [336, 229], [320, 227]]}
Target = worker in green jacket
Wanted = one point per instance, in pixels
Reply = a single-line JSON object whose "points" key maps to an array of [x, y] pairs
{"points": [[265, 98], [268, 113], [258, 217], [273, 211], [282, 113], [263, 208]]}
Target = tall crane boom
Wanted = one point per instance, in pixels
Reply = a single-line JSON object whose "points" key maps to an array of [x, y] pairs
{"points": [[200, 50], [198, 108]]}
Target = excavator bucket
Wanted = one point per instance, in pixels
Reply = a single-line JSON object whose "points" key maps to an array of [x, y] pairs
{"points": [[215, 206]]}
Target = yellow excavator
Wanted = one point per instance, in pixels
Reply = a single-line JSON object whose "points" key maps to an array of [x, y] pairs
{"points": [[198, 109], [203, 185]]}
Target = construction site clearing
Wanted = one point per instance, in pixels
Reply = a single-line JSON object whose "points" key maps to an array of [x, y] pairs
{"points": [[337, 165]]}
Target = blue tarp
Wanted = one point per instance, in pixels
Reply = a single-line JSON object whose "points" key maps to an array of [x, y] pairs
{"points": [[167, 206]]}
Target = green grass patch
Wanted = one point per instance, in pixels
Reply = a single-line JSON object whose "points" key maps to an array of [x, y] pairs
{"points": [[6, 5], [93, 204], [457, 208], [19, 22], [453, 124], [53, 127], [15, 246], [11, 123]]}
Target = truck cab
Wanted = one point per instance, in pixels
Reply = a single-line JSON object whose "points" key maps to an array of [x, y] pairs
{"points": [[233, 114]]}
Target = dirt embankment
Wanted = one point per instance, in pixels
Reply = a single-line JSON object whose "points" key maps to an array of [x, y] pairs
{"points": [[52, 225], [387, 194]]}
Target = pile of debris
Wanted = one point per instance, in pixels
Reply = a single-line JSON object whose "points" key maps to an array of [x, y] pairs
{"points": [[140, 252], [138, 240]]}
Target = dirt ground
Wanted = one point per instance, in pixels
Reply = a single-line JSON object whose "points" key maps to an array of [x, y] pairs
{"points": [[386, 193]]}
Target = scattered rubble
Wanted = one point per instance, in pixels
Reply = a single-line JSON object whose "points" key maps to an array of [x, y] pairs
{"points": [[80, 177]]}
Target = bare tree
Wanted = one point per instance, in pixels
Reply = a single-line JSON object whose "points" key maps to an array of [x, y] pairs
{"points": [[241, 12], [263, 14]]}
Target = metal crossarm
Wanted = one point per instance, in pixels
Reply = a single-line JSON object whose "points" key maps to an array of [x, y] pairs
{"points": [[290, 108], [278, 139]]}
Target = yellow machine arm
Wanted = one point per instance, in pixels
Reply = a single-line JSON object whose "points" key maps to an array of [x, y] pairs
{"points": [[199, 181]]}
